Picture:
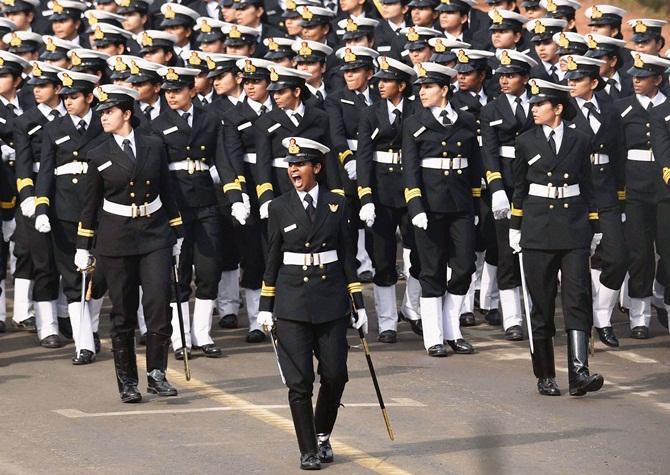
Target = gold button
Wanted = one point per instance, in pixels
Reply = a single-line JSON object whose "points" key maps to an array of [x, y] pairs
{"points": [[647, 124], [517, 133], [602, 169], [566, 205], [321, 266], [188, 147], [548, 173], [323, 277], [188, 158], [147, 195], [203, 159], [75, 153], [390, 169], [323, 244], [306, 244], [75, 181], [446, 173], [202, 147], [566, 176], [602, 146], [304, 267], [305, 279], [549, 184], [458, 144], [132, 195], [148, 182], [648, 134], [460, 172], [390, 150], [551, 206], [444, 154], [444, 144], [479, 131], [459, 155], [132, 183]]}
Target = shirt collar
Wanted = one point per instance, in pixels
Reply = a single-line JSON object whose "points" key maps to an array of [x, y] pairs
{"points": [[256, 106], [558, 131], [659, 98], [314, 193], [451, 113], [46, 110], [207, 96], [120, 138], [87, 118], [512, 99], [14, 101], [300, 110], [238, 99], [391, 107], [581, 102], [189, 111]]}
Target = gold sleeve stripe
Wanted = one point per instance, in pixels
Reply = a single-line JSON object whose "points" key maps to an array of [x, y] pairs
{"points": [[490, 176], [262, 188], [517, 212], [176, 221], [241, 179], [343, 155], [412, 193], [476, 192], [234, 186], [81, 231], [267, 291], [21, 183], [593, 216], [9, 204], [338, 191], [42, 200], [364, 190], [621, 194], [354, 287]]}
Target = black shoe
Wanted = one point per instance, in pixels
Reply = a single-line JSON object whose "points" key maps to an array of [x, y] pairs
{"points": [[28, 324], [143, 339], [468, 320], [416, 325], [662, 315], [96, 342], [439, 351], [158, 384], [125, 366], [365, 277], [84, 357], [130, 394], [310, 462], [179, 354], [493, 317], [581, 381], [210, 351], [514, 333], [477, 300], [65, 327], [228, 321], [548, 387], [608, 337], [461, 347], [52, 341], [3, 327], [640, 333], [325, 451], [255, 336], [388, 336]]}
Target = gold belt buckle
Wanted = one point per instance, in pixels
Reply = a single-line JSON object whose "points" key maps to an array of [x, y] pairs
{"points": [[191, 166], [133, 211], [307, 259], [146, 210]]}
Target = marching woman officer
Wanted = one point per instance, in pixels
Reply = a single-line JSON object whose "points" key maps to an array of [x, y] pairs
{"points": [[308, 287], [442, 171], [131, 221], [555, 221]]}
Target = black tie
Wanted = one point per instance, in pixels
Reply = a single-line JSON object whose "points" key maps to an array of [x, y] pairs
{"points": [[592, 112], [552, 142], [614, 92], [650, 106], [81, 128], [54, 114], [311, 211], [519, 113], [128, 149], [478, 97], [552, 73], [397, 122], [445, 120], [298, 117], [361, 97], [319, 96], [204, 101], [12, 109], [147, 112], [262, 110], [185, 116]]}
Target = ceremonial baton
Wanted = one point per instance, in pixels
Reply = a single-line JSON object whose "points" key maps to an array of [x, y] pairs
{"points": [[273, 339], [85, 293], [187, 370], [526, 303], [373, 375]]}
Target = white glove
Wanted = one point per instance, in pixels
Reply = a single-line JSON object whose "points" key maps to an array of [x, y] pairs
{"points": [[595, 241], [350, 168], [214, 173], [247, 203], [264, 210], [361, 320], [367, 214], [420, 221], [476, 220], [28, 207], [8, 153], [239, 212], [623, 217], [176, 249], [8, 228], [500, 205], [82, 259], [515, 240], [42, 223], [264, 319]]}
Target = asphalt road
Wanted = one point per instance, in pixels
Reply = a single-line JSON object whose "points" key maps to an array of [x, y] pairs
{"points": [[463, 414]]}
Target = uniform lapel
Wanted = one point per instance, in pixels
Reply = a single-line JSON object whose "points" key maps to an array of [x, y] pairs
{"points": [[428, 119], [567, 143], [306, 121], [119, 156], [297, 209], [322, 210], [141, 155]]}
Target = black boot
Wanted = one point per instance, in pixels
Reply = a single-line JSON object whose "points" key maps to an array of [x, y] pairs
{"points": [[157, 355], [544, 367], [581, 382], [325, 449], [125, 364], [328, 404], [303, 421]]}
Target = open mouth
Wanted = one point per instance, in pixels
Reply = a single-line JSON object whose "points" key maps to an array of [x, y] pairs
{"points": [[296, 178]]}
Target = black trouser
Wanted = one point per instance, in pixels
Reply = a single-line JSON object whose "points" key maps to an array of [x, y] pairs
{"points": [[385, 245], [230, 257], [640, 233], [202, 248], [611, 257], [485, 231], [449, 240], [125, 275], [253, 236], [35, 259], [663, 245], [541, 269], [299, 343]]}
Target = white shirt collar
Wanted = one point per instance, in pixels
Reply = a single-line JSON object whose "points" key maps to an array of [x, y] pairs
{"points": [[512, 100], [189, 111], [207, 96], [314, 193], [558, 134], [391, 108], [366, 95], [451, 113], [321, 89], [156, 107], [396, 26], [14, 102], [256, 106], [87, 118], [120, 138], [238, 99], [300, 110], [656, 100], [483, 98], [581, 102], [46, 110]]}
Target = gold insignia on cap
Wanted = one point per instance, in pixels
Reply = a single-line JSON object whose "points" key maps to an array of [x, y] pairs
{"points": [[169, 13], [534, 88], [563, 41], [124, 3], [194, 59], [412, 35], [99, 34], [37, 72], [274, 77], [439, 46], [551, 6], [351, 25], [272, 45], [51, 46], [67, 80], [590, 42], [349, 56], [249, 67], [119, 65], [9, 3], [290, 5], [596, 13], [640, 27], [639, 62], [134, 68], [172, 75], [101, 95], [505, 59], [463, 57], [497, 18], [211, 65], [147, 40], [293, 147], [333, 207], [446, 2], [422, 73], [56, 7], [2, 62], [305, 50], [75, 60], [539, 28], [205, 27], [92, 20], [15, 41], [234, 32], [383, 64], [307, 14], [572, 66]]}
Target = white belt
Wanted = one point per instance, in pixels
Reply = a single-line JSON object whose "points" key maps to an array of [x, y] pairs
{"points": [[445, 163], [188, 165], [553, 192], [316, 259], [600, 158], [352, 144], [386, 157], [36, 167], [72, 168], [507, 151], [641, 155], [132, 211], [249, 158], [280, 163]]}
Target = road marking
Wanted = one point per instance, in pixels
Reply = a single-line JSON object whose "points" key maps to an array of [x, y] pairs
{"points": [[76, 413], [634, 357]]}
